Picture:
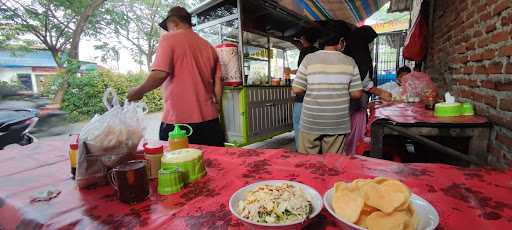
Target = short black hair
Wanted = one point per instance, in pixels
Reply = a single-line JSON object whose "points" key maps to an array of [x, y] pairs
{"points": [[403, 69], [333, 40], [310, 36]]}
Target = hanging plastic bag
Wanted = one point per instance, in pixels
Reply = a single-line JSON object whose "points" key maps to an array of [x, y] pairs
{"points": [[109, 139], [416, 85]]}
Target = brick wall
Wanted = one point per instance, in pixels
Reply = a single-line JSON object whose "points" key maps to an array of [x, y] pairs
{"points": [[470, 55]]}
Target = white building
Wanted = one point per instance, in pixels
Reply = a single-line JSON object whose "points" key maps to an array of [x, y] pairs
{"points": [[33, 68]]}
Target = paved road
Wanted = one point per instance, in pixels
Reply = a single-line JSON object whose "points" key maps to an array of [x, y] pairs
{"points": [[151, 120]]}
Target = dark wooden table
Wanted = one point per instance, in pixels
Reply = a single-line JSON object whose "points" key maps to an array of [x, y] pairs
{"points": [[416, 122]]}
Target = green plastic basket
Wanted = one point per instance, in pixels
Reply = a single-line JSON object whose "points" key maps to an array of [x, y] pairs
{"points": [[188, 161], [448, 109]]}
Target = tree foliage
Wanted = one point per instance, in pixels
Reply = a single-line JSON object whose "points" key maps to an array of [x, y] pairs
{"points": [[133, 24], [55, 24]]}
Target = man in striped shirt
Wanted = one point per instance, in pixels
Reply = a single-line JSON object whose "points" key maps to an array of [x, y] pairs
{"points": [[328, 79]]}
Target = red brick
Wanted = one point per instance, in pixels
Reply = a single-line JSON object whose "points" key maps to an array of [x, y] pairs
{"points": [[504, 139], [500, 36], [482, 7], [469, 15], [462, 59], [476, 57], [489, 54], [490, 28], [494, 68], [480, 70], [471, 45], [485, 16], [477, 34], [506, 104], [467, 82], [460, 49], [471, 22], [483, 42], [503, 5], [508, 68], [505, 51], [466, 37], [505, 21], [489, 100], [464, 94], [467, 70], [505, 86], [488, 84]]}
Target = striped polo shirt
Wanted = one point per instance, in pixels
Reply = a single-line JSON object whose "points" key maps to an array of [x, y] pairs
{"points": [[328, 77]]}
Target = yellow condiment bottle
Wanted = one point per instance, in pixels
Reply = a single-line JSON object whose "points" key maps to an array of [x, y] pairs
{"points": [[73, 152], [178, 139]]}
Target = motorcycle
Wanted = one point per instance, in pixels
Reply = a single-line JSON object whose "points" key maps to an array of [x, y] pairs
{"points": [[15, 125]]}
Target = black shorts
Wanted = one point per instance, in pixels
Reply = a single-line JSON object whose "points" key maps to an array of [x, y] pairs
{"points": [[204, 133]]}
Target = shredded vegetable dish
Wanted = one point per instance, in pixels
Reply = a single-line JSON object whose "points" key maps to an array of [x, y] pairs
{"points": [[275, 204]]}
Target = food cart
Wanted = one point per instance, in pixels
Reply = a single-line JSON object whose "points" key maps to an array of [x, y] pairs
{"points": [[263, 31]]}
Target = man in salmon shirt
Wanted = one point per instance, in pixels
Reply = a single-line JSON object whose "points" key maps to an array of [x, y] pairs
{"points": [[188, 69]]}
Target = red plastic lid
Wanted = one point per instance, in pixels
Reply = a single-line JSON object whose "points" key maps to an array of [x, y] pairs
{"points": [[159, 149], [73, 146], [226, 45]]}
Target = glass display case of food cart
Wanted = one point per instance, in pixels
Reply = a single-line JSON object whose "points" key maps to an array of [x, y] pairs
{"points": [[261, 107]]}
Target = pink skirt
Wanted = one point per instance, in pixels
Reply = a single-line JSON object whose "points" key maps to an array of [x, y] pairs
{"points": [[358, 129]]}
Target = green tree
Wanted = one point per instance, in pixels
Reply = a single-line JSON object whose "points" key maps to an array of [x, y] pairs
{"points": [[136, 22], [56, 24], [109, 52]]}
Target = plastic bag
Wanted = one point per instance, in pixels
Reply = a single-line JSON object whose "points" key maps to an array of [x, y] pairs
{"points": [[416, 85], [109, 139]]}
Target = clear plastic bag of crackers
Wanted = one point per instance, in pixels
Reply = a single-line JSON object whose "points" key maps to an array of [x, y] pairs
{"points": [[109, 139]]}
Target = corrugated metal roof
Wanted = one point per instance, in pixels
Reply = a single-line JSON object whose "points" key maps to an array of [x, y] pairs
{"points": [[35, 58]]}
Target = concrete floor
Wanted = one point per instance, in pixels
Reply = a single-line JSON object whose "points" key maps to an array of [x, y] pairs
{"points": [[283, 141]]}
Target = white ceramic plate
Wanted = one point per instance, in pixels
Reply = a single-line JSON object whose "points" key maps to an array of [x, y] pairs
{"points": [[313, 196], [428, 218]]}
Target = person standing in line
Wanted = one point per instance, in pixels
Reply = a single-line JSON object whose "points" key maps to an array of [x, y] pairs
{"points": [[357, 47], [308, 39], [328, 79], [189, 71]]}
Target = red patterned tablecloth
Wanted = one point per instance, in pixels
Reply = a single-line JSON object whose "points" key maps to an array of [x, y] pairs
{"points": [[464, 198], [416, 112]]}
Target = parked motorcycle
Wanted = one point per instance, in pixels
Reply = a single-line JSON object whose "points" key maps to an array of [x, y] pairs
{"points": [[52, 120], [15, 125]]}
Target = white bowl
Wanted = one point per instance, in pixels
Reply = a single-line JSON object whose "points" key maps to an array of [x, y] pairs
{"points": [[428, 218], [312, 194]]}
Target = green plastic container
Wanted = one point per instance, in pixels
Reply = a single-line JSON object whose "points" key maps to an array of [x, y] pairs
{"points": [[448, 109], [170, 181], [189, 161], [468, 109]]}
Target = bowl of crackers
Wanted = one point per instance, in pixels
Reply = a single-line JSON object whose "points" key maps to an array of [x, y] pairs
{"points": [[379, 204]]}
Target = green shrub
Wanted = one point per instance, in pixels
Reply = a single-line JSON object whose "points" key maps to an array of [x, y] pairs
{"points": [[84, 96], [51, 85], [9, 88]]}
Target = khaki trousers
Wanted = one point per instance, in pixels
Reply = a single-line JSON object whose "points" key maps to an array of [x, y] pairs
{"points": [[320, 143]]}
